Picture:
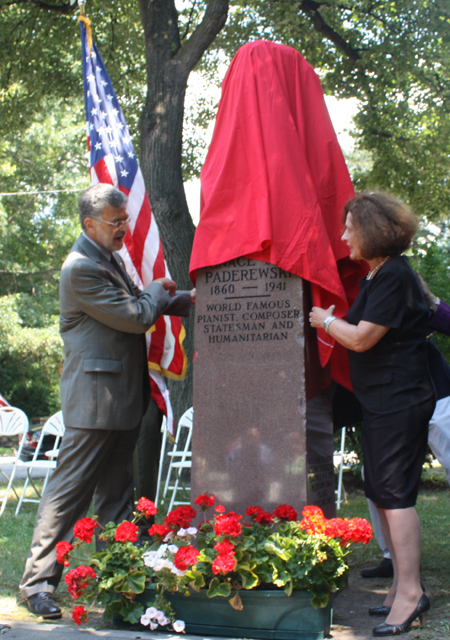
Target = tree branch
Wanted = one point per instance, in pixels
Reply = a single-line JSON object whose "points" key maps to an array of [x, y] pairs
{"points": [[64, 9], [311, 9], [213, 21]]}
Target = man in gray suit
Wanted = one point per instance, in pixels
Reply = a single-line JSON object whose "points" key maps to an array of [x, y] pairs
{"points": [[105, 387]]}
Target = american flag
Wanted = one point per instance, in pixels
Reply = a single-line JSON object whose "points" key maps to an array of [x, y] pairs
{"points": [[3, 402], [112, 160]]}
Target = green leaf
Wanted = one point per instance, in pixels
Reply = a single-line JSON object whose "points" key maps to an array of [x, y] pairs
{"points": [[135, 582], [217, 588]]}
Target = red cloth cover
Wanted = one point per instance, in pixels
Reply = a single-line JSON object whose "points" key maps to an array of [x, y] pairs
{"points": [[274, 182]]}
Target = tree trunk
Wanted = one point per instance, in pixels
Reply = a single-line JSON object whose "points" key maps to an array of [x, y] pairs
{"points": [[161, 129]]}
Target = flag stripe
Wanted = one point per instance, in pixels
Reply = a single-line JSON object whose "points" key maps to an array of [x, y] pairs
{"points": [[112, 160]]}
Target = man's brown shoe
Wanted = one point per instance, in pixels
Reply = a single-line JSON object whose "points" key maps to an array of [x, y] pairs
{"points": [[43, 604]]}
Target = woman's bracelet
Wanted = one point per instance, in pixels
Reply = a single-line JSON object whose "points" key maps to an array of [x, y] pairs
{"points": [[327, 322]]}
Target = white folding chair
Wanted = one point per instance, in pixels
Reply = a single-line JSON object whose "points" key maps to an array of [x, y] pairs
{"points": [[13, 422], [180, 457], [339, 461], [54, 427], [161, 457]]}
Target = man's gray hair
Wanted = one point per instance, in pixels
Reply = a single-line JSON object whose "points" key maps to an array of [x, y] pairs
{"points": [[96, 198]]}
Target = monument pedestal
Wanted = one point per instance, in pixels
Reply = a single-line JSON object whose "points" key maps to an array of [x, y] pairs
{"points": [[250, 386]]}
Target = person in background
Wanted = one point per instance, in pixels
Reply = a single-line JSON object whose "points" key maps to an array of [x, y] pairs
{"points": [[385, 335]]}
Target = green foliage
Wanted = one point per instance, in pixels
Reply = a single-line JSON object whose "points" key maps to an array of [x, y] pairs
{"points": [[431, 257], [30, 361], [394, 56]]}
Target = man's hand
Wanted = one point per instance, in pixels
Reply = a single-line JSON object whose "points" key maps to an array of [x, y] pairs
{"points": [[431, 299], [193, 295], [168, 284]]}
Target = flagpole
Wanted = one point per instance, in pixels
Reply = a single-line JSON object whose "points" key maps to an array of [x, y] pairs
{"points": [[87, 23]]}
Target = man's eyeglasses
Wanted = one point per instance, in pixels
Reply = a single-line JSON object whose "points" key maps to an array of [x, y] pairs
{"points": [[117, 225]]}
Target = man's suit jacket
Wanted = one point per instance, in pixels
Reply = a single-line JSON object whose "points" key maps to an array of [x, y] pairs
{"points": [[104, 382]]}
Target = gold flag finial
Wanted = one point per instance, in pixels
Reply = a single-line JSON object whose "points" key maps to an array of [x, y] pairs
{"points": [[87, 23]]}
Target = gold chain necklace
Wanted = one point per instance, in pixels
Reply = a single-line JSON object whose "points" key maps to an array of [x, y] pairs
{"points": [[370, 275]]}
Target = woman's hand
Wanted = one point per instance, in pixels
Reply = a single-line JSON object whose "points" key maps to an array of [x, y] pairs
{"points": [[318, 315]]}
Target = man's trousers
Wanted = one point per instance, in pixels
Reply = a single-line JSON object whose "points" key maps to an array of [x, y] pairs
{"points": [[92, 463]]}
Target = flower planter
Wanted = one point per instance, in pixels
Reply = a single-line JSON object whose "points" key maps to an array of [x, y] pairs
{"points": [[265, 614]]}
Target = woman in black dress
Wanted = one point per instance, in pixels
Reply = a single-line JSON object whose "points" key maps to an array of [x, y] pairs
{"points": [[385, 335]]}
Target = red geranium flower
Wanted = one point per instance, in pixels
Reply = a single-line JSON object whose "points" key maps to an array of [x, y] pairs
{"points": [[159, 530], [180, 517], [360, 530], [62, 552], [79, 615], [225, 547], [147, 507], [313, 520], [126, 531], [228, 525], [285, 512], [77, 580], [264, 517], [185, 557], [84, 529], [205, 502], [224, 563], [253, 511], [220, 508]]}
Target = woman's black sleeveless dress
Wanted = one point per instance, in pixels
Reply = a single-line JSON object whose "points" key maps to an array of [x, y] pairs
{"points": [[392, 382]]}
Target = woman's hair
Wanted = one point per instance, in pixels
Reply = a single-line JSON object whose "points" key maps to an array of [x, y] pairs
{"points": [[386, 226]]}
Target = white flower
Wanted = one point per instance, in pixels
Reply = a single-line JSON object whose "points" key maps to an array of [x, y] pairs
{"points": [[151, 612], [149, 558], [181, 533], [178, 626], [192, 531], [172, 548], [159, 564], [169, 536], [162, 551], [153, 626], [178, 572], [145, 620], [161, 618], [150, 562]]}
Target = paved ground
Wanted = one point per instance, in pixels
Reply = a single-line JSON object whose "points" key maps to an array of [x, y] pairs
{"points": [[350, 621]]}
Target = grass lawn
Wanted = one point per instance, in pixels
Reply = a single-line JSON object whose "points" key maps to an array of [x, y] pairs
{"points": [[433, 508]]}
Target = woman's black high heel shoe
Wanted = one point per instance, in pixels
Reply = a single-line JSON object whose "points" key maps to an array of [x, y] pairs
{"points": [[380, 611], [396, 629]]}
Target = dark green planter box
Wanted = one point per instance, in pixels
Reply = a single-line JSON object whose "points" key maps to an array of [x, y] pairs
{"points": [[266, 614]]}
